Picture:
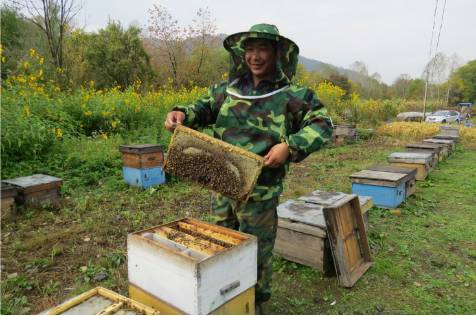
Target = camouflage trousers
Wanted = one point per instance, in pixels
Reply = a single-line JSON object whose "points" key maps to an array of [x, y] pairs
{"points": [[256, 218]]}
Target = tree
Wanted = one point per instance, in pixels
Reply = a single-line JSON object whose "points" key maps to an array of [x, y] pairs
{"points": [[400, 85], [359, 67], [116, 57], [467, 75], [201, 33], [342, 82], [168, 38], [52, 17]]}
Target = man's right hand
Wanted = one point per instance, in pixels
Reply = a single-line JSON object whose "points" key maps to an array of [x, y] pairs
{"points": [[174, 118]]}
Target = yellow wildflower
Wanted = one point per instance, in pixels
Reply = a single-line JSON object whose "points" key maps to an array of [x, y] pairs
{"points": [[58, 132], [4, 59], [114, 124], [42, 60], [26, 111], [32, 52], [104, 136], [26, 65], [88, 113]]}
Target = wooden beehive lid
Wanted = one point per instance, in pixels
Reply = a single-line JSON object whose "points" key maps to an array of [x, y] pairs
{"points": [[450, 137], [101, 301], [193, 239], [8, 190], [411, 171], [140, 148], [302, 212], [411, 157], [331, 198], [380, 178], [35, 183], [430, 146], [448, 130], [438, 141], [212, 163]]}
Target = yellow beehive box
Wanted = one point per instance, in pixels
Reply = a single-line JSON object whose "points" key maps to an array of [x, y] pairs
{"points": [[193, 266], [101, 301], [215, 164], [421, 161]]}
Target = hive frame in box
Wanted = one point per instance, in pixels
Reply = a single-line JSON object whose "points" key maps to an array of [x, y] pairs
{"points": [[187, 281], [119, 302], [227, 150]]}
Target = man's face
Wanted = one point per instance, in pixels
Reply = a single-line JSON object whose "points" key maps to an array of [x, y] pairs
{"points": [[260, 56]]}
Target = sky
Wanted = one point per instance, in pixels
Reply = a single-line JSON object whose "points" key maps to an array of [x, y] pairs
{"points": [[391, 37]]}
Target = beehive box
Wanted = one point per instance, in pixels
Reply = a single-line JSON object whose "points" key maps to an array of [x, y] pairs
{"points": [[433, 151], [451, 145], [37, 190], [101, 301], [387, 189], [449, 130], [302, 233], [421, 161], [448, 137], [9, 192], [144, 178], [343, 133], [142, 156], [440, 150], [193, 266], [410, 181], [217, 165]]}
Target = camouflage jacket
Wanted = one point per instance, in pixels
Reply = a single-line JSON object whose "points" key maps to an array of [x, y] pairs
{"points": [[258, 118]]}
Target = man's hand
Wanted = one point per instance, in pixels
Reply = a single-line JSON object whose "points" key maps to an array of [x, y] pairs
{"points": [[174, 118], [277, 155]]}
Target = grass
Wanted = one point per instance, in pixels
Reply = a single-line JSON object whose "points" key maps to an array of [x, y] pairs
{"points": [[425, 259]]}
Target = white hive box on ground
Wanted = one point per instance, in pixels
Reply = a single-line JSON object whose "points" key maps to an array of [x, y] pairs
{"points": [[192, 266]]}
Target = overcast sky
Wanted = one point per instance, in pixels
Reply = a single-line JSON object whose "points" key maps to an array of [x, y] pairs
{"points": [[391, 36]]}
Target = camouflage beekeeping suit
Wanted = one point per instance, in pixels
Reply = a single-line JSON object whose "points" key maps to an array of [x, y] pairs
{"points": [[256, 119]]}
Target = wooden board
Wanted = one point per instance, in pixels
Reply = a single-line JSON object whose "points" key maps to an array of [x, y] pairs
{"points": [[388, 168], [434, 155], [348, 241], [145, 160], [413, 158], [8, 190], [380, 178], [141, 148], [448, 130], [34, 183], [448, 137]]}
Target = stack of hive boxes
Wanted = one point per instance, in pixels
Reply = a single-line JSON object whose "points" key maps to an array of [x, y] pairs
{"points": [[143, 165]]}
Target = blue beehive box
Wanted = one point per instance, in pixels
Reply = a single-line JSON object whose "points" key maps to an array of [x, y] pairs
{"points": [[144, 177], [387, 189]]}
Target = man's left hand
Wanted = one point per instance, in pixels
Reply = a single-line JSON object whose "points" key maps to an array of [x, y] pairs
{"points": [[277, 155]]}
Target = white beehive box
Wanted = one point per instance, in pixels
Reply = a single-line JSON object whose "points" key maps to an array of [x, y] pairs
{"points": [[191, 265]]}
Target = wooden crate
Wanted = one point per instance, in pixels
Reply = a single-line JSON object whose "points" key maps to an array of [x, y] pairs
{"points": [[451, 145], [212, 163], [37, 190], [101, 301], [421, 161], [302, 233], [9, 193], [387, 189], [242, 304], [142, 156], [410, 185], [194, 266]]}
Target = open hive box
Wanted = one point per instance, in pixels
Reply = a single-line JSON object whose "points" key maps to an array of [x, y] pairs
{"points": [[37, 189], [101, 301], [217, 165], [192, 267]]}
